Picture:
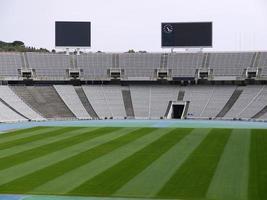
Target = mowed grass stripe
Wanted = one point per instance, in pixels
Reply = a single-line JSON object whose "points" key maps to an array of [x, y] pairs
{"points": [[192, 179], [149, 182], [72, 179], [39, 177], [257, 189], [26, 133], [75, 136], [39, 135], [115, 177], [18, 132], [230, 180], [33, 145], [23, 169]]}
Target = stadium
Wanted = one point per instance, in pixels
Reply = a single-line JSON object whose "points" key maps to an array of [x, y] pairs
{"points": [[84, 125]]}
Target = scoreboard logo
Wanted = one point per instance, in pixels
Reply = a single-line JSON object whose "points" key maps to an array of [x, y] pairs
{"points": [[167, 28]]}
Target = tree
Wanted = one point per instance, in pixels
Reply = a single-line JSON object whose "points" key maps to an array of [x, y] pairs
{"points": [[18, 43]]}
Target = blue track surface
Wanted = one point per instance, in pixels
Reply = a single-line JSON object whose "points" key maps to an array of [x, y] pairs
{"points": [[139, 123]]}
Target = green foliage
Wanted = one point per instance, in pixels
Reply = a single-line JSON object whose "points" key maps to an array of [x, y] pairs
{"points": [[18, 46]]}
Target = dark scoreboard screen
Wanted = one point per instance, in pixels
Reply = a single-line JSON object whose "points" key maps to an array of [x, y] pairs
{"points": [[193, 34], [73, 34]]}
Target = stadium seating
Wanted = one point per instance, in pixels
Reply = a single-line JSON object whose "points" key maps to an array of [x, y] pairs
{"points": [[8, 115], [262, 63], [49, 66], [249, 92], [114, 99], [107, 101], [15, 102], [71, 99], [257, 103], [220, 96], [160, 97], [230, 64], [45, 100], [134, 66], [184, 64], [94, 65], [147, 101], [143, 97], [98, 100], [198, 97], [139, 65], [10, 63]]}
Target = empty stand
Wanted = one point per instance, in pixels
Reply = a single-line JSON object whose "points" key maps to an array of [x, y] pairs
{"points": [[262, 114], [249, 92], [11, 108], [184, 64], [257, 103], [98, 100], [198, 96], [114, 99], [10, 63], [230, 64], [141, 101], [87, 105], [15, 102], [262, 63], [159, 100], [128, 104], [71, 99], [49, 66], [9, 115], [230, 103], [133, 66], [219, 98], [140, 65], [94, 65], [45, 100]]}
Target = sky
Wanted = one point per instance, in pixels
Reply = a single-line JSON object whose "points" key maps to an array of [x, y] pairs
{"points": [[120, 25]]}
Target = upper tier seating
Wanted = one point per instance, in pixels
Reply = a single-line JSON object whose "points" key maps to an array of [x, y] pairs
{"points": [[230, 64], [49, 66], [184, 64], [94, 65], [139, 65], [133, 66], [9, 65], [263, 63]]}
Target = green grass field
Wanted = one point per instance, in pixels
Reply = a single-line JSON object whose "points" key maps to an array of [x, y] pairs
{"points": [[164, 163]]}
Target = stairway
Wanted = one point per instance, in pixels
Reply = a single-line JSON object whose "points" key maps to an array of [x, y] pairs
{"points": [[260, 113], [128, 104], [230, 103], [45, 100], [86, 103], [181, 95]]}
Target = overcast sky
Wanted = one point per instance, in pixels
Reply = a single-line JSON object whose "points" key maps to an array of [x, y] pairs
{"points": [[119, 25]]}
